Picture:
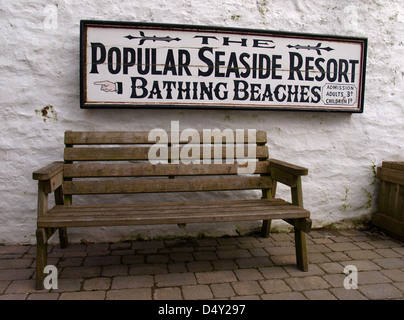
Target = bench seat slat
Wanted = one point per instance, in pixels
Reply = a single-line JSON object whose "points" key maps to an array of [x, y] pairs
{"points": [[162, 212], [190, 205], [165, 185], [87, 170], [171, 213]]}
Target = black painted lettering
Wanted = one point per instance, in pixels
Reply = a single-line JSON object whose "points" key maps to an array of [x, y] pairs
{"points": [[353, 63], [114, 60], [254, 66], [343, 70], [321, 75], [316, 96], [184, 59], [264, 66], [143, 67], [185, 90], [155, 91], [275, 67], [304, 92], [296, 63], [128, 59], [293, 93], [219, 63], [232, 67], [206, 90], [169, 65], [255, 94], [168, 86], [154, 63], [260, 43], [95, 58], [308, 67], [267, 95], [277, 93], [226, 42], [205, 39], [141, 87], [240, 86], [246, 65], [332, 68], [207, 61], [218, 91]]}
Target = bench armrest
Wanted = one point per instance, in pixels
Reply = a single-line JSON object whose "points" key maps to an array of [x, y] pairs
{"points": [[288, 167], [48, 171], [49, 177], [286, 173]]}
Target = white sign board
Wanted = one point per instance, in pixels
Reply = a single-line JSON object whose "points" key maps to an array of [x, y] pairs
{"points": [[173, 66]]}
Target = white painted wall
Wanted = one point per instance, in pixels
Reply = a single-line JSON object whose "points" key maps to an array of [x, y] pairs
{"points": [[39, 61]]}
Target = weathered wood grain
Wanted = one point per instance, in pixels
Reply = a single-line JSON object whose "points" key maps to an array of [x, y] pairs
{"points": [[169, 213], [142, 153], [86, 170], [142, 137], [165, 185]]}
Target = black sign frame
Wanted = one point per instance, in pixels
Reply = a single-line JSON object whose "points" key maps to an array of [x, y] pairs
{"points": [[318, 51]]}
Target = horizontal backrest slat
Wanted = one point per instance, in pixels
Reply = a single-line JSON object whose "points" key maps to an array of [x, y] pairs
{"points": [[142, 137], [154, 185], [142, 153], [88, 170], [105, 137]]}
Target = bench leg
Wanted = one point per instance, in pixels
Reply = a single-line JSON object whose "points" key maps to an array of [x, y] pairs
{"points": [[63, 238], [266, 227], [41, 256], [301, 250]]}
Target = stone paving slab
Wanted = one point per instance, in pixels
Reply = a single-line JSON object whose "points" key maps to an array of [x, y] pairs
{"points": [[234, 268]]}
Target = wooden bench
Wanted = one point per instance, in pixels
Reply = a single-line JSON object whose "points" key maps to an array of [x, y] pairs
{"points": [[117, 163]]}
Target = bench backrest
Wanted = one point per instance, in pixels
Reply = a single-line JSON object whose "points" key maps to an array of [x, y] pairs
{"points": [[120, 162]]}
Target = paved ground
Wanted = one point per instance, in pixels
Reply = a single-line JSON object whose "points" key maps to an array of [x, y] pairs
{"points": [[213, 268]]}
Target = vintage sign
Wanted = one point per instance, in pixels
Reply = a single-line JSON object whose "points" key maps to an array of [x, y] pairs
{"points": [[175, 66]]}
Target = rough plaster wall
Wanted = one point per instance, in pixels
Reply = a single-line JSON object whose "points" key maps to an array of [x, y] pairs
{"points": [[40, 67]]}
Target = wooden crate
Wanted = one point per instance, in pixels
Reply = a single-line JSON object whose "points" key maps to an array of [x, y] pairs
{"points": [[390, 212]]}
